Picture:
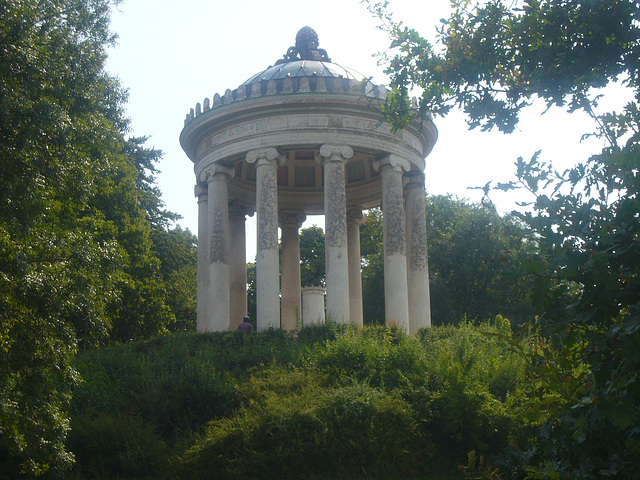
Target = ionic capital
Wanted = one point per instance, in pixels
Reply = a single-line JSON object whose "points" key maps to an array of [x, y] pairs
{"points": [[265, 156], [237, 209], [335, 153], [218, 172], [200, 192], [413, 180], [355, 215], [291, 218], [391, 162]]}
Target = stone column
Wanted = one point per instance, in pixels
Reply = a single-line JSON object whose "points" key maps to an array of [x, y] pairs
{"points": [[355, 218], [267, 263], [334, 158], [203, 257], [312, 306], [395, 260], [290, 272], [237, 264], [417, 261], [217, 177]]}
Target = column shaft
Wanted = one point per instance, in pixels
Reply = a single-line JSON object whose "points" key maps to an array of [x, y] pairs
{"points": [[417, 260], [203, 258], [335, 217], [290, 273], [395, 261], [217, 177], [354, 219], [267, 261], [237, 265]]}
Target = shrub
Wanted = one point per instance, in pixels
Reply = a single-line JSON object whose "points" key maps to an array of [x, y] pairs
{"points": [[381, 356], [163, 383], [116, 446], [352, 432], [474, 353]]}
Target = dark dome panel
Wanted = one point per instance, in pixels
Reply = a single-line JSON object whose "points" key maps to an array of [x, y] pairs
{"points": [[305, 68]]}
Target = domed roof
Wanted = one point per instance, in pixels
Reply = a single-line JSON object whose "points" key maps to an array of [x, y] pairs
{"points": [[305, 68], [305, 59]]}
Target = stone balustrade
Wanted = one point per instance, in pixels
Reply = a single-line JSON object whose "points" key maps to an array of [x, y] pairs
{"points": [[284, 86]]}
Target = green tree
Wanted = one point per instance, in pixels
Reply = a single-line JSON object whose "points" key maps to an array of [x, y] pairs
{"points": [[475, 258], [312, 256], [77, 213], [495, 58], [177, 249], [169, 275], [59, 124], [252, 302], [372, 268]]}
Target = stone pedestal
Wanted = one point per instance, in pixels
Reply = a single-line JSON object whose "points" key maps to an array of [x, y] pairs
{"points": [[417, 261], [217, 177], [312, 306], [395, 260], [267, 262], [355, 218], [334, 158], [290, 276]]}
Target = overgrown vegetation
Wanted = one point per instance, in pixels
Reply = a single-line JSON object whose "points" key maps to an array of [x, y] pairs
{"points": [[88, 257], [87, 252], [494, 58], [330, 402]]}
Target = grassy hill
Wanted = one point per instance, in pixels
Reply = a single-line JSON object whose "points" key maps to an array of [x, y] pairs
{"points": [[330, 402]]}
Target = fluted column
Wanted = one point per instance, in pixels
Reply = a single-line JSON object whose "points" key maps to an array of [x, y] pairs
{"points": [[267, 264], [395, 260], [237, 263], [290, 273], [200, 192], [334, 158], [217, 177], [355, 218], [417, 261]]}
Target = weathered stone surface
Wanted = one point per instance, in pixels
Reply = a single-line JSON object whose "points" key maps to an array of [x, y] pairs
{"points": [[267, 261], [267, 210], [291, 307], [355, 218], [201, 192], [313, 306], [336, 252], [417, 263], [217, 178], [237, 263], [395, 262]]}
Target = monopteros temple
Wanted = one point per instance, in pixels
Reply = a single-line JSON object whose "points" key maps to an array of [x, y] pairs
{"points": [[306, 137]]}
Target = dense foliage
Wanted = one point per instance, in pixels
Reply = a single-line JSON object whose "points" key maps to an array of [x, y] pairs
{"points": [[496, 57], [84, 238], [331, 402], [475, 263]]}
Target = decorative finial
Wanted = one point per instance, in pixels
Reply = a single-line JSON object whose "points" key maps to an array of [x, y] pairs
{"points": [[306, 48]]}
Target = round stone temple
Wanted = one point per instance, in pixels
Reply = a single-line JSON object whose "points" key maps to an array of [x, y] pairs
{"points": [[306, 137]]}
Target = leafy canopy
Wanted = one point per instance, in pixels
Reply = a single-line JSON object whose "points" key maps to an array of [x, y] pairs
{"points": [[81, 224], [493, 60]]}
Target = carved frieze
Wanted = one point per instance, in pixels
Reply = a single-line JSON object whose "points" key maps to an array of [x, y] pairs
{"points": [[394, 238], [418, 261], [218, 251], [335, 199], [267, 209]]}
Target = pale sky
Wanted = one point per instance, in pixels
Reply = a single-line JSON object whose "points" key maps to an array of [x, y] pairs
{"points": [[171, 55]]}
